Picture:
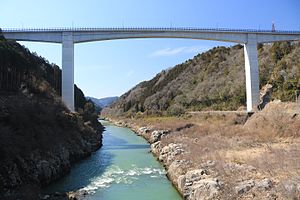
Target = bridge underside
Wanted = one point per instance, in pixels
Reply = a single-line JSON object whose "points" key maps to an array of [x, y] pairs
{"points": [[68, 38], [251, 70]]}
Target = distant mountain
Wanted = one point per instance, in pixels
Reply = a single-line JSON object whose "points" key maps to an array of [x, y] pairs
{"points": [[213, 80], [103, 102]]}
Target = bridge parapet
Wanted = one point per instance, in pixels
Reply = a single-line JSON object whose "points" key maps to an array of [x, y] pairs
{"points": [[63, 29]]}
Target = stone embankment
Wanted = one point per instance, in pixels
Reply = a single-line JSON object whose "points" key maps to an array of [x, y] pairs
{"points": [[191, 182], [236, 168]]}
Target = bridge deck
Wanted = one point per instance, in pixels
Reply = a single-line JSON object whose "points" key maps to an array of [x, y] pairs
{"points": [[125, 29], [70, 36]]}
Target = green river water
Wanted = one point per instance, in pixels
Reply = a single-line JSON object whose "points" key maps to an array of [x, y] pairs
{"points": [[123, 169]]}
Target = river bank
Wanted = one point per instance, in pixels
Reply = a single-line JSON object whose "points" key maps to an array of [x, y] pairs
{"points": [[123, 168], [39, 143], [228, 156], [40, 139]]}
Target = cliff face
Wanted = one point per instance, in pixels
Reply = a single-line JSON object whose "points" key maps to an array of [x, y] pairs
{"points": [[39, 138], [213, 80]]}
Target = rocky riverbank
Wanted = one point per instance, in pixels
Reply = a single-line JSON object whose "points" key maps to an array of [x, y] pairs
{"points": [[189, 182], [228, 156], [39, 142], [40, 138]]}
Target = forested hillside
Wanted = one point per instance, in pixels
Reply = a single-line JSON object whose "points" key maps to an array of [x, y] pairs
{"points": [[39, 138], [213, 80]]}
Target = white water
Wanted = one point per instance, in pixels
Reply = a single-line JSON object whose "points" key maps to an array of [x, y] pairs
{"points": [[122, 169]]}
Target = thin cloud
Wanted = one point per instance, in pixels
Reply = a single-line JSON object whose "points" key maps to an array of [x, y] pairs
{"points": [[178, 51], [130, 73]]}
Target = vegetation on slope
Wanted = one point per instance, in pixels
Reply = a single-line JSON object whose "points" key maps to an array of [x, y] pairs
{"points": [[39, 137], [213, 80], [17, 64]]}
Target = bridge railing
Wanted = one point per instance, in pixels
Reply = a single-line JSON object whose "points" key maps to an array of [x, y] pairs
{"points": [[148, 29]]}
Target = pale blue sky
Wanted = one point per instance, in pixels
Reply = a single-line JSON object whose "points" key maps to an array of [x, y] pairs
{"points": [[112, 67]]}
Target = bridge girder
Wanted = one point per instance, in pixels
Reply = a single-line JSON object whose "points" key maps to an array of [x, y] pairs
{"points": [[68, 37]]}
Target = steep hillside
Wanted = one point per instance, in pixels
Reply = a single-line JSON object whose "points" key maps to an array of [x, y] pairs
{"points": [[39, 138], [213, 80]]}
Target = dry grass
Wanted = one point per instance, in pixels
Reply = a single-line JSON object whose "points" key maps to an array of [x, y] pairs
{"points": [[269, 143]]}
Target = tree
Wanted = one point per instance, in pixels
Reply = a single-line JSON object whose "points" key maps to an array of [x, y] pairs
{"points": [[279, 50]]}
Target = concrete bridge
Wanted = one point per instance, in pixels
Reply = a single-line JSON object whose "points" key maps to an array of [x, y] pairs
{"points": [[70, 36]]}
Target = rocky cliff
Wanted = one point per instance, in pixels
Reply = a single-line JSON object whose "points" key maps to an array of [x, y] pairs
{"points": [[39, 138]]}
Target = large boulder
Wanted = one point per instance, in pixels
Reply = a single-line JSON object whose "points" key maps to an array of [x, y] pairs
{"points": [[169, 152], [157, 134], [197, 184], [156, 148], [265, 95], [206, 189], [176, 169]]}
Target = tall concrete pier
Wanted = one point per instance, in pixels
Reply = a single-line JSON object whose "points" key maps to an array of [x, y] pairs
{"points": [[252, 72], [68, 70], [70, 36]]}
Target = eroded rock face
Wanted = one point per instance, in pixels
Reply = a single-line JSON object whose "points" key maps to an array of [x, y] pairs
{"points": [[42, 147], [265, 96], [39, 169]]}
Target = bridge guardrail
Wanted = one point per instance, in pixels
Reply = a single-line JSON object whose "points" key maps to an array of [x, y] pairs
{"points": [[59, 29]]}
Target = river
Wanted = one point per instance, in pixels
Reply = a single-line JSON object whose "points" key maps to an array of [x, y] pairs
{"points": [[122, 169]]}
